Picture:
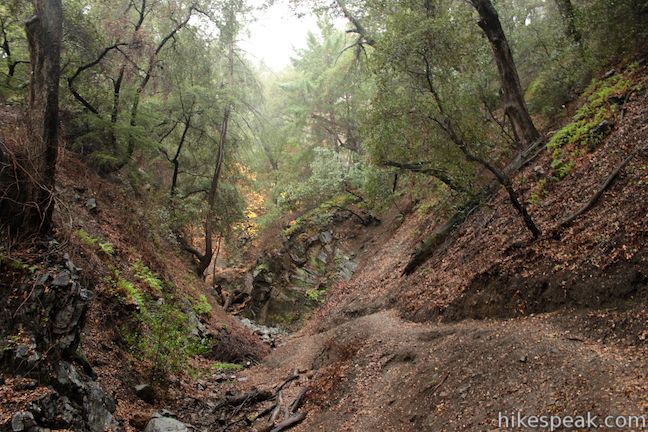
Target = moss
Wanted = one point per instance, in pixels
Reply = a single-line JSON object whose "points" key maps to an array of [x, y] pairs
{"points": [[584, 130], [16, 264], [263, 267], [227, 367], [319, 216]]}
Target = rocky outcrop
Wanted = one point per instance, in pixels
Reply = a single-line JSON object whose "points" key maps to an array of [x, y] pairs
{"points": [[40, 325], [290, 281]]}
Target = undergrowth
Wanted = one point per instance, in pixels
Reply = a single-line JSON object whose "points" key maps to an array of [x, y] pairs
{"points": [[225, 367], [160, 330], [103, 246], [591, 124]]}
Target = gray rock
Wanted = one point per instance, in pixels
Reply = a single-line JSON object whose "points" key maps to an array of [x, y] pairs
{"points": [[539, 172], [98, 408], [62, 279], [323, 257], [145, 392], [326, 237], [68, 378], [22, 421], [165, 424], [601, 128], [85, 295], [91, 205]]}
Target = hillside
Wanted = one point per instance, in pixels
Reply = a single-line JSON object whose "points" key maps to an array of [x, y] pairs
{"points": [[433, 217], [488, 324]]}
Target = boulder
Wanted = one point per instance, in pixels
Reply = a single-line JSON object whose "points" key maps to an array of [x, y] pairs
{"points": [[62, 279], [326, 237], [22, 421], [165, 424], [98, 408]]}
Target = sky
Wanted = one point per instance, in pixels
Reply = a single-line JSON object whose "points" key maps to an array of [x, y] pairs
{"points": [[275, 34]]}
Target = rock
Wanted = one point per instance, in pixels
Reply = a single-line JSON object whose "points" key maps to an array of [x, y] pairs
{"points": [[98, 408], [539, 172], [29, 384], [91, 205], [601, 128], [165, 413], [220, 378], [85, 295], [323, 257], [145, 392], [523, 359], [297, 253], [62, 279], [22, 421], [326, 237], [165, 424], [69, 379], [138, 421]]}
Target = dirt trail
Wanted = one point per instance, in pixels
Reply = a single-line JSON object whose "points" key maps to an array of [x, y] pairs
{"points": [[379, 372]]}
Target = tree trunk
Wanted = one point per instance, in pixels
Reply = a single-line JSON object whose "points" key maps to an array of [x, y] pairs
{"points": [[44, 32], [512, 96], [176, 158], [211, 197], [566, 9]]}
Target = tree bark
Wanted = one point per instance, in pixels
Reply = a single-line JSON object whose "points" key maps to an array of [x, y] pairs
{"points": [[44, 33], [213, 189], [512, 96], [358, 27], [426, 168]]}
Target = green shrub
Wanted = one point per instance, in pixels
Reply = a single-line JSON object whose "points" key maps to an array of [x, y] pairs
{"points": [[316, 295], [163, 337], [144, 274], [202, 305], [539, 192], [105, 247], [129, 289]]}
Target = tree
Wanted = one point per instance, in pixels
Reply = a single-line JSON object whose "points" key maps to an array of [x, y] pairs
{"points": [[44, 32], [566, 9], [512, 96]]}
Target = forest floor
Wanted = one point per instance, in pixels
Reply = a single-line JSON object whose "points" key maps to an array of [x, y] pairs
{"points": [[491, 323]]}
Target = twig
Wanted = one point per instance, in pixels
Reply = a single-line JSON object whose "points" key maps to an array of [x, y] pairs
{"points": [[289, 422]]}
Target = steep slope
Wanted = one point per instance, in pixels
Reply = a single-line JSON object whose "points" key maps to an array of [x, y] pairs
{"points": [[553, 327], [106, 304]]}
